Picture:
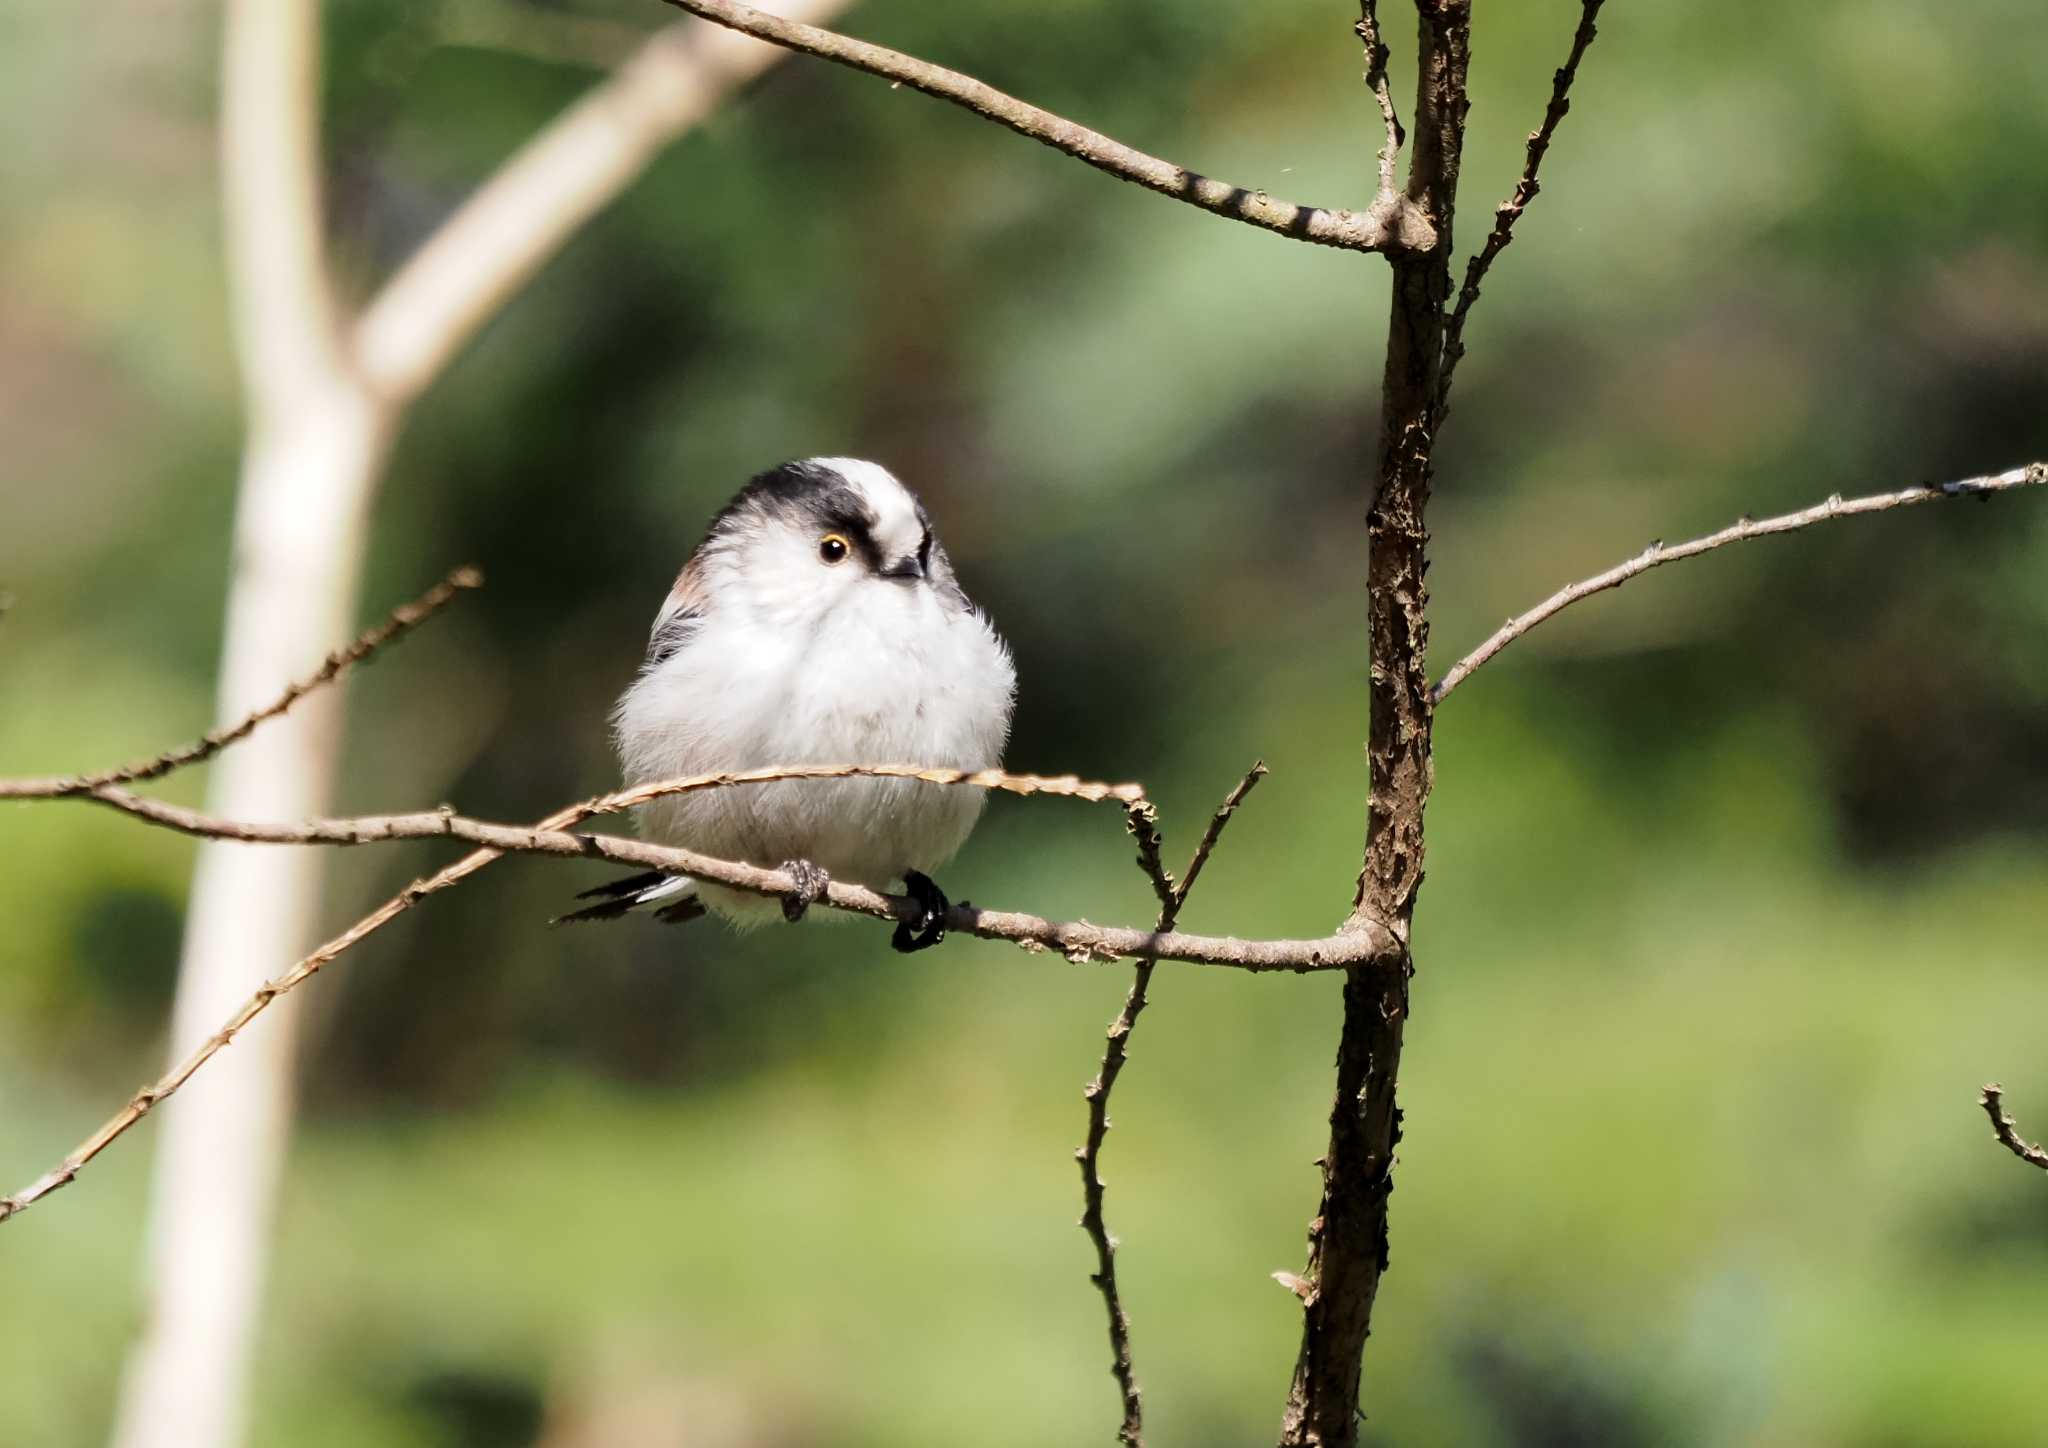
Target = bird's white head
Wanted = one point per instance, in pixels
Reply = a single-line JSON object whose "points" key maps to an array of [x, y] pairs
{"points": [[806, 538]]}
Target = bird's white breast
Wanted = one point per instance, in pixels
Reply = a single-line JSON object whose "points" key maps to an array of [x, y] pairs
{"points": [[890, 675]]}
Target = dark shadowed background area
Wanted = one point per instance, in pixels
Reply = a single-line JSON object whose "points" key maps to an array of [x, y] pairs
{"points": [[1737, 881]]}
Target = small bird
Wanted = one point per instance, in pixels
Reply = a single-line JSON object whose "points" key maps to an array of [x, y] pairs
{"points": [[818, 622]]}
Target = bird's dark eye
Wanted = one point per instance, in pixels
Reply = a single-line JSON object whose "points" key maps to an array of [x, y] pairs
{"points": [[833, 548]]}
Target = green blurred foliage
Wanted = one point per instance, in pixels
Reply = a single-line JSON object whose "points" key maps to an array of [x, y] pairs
{"points": [[1736, 881]]}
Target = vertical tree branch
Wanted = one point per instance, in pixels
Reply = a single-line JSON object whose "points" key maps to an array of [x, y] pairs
{"points": [[1348, 1250]]}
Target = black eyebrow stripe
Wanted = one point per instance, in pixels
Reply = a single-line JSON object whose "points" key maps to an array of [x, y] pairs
{"points": [[864, 544]]}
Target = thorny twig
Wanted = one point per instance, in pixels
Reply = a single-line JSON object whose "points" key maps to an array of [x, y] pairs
{"points": [[2026, 476], [2007, 1130], [1391, 224], [1510, 211], [398, 623], [1144, 826]]}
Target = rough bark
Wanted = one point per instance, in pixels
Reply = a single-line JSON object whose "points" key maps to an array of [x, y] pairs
{"points": [[1348, 1250]]}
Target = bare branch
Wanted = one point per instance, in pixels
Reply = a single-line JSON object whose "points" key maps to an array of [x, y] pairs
{"points": [[519, 218], [1079, 941], [1144, 824], [1510, 211], [1368, 31], [2026, 476], [1359, 944], [1390, 224], [396, 625], [2007, 1130]]}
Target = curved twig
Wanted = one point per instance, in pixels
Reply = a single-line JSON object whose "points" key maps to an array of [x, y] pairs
{"points": [[1391, 224], [1992, 1099], [2026, 476]]}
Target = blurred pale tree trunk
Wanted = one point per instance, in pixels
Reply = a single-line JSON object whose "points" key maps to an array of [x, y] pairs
{"points": [[324, 398], [315, 439]]}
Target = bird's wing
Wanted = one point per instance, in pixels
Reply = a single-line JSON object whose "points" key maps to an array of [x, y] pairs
{"points": [[682, 614]]}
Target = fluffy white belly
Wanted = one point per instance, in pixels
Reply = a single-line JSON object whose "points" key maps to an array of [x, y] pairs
{"points": [[919, 685]]}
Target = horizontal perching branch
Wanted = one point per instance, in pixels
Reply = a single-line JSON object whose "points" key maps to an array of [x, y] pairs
{"points": [[1657, 554], [1077, 940], [1392, 223], [2007, 1130]]}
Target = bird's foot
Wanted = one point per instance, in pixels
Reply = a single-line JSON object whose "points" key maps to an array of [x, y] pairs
{"points": [[811, 881], [930, 926]]}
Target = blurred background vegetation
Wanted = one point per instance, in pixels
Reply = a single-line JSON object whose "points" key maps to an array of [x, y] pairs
{"points": [[1737, 881]]}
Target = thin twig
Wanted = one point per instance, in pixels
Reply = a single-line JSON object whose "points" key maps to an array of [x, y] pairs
{"points": [[1079, 941], [2007, 1130], [1510, 211], [1368, 31], [396, 625], [1214, 832], [2028, 475], [1144, 824], [1391, 224]]}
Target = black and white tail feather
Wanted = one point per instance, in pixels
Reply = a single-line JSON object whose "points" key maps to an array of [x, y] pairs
{"points": [[622, 897]]}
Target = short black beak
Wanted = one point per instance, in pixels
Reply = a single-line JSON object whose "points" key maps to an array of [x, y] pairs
{"points": [[908, 568]]}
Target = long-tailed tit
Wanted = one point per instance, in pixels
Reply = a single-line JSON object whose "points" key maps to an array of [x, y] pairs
{"points": [[818, 622]]}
